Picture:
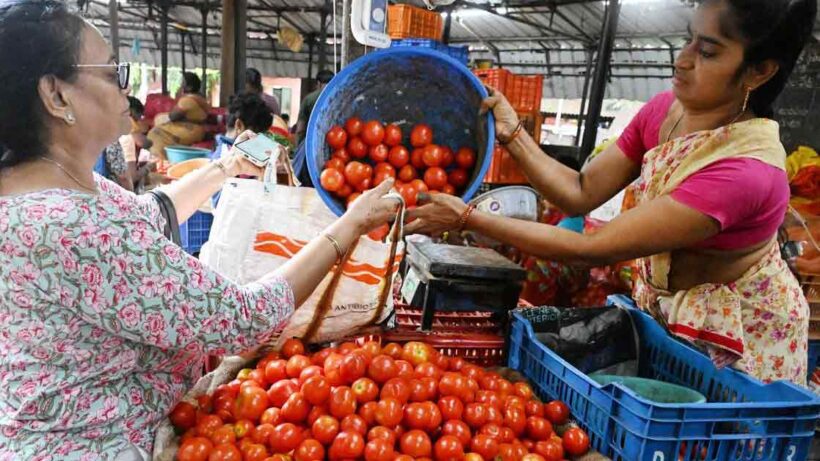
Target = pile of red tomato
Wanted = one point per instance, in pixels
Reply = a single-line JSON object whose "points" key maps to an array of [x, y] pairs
{"points": [[367, 153], [372, 403]]}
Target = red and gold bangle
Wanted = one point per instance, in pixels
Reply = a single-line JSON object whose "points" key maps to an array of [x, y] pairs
{"points": [[514, 134], [462, 221]]}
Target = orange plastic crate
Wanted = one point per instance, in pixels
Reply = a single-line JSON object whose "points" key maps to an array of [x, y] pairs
{"points": [[476, 322], [496, 78], [504, 169], [524, 92], [407, 21]]}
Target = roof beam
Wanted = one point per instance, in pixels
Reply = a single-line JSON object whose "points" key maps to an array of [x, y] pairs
{"points": [[517, 19]]}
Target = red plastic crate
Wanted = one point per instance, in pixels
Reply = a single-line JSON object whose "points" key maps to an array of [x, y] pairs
{"points": [[485, 350], [407, 21], [504, 169], [524, 92], [408, 317], [496, 78]]}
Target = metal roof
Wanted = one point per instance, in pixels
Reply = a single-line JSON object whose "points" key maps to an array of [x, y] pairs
{"points": [[529, 36]]}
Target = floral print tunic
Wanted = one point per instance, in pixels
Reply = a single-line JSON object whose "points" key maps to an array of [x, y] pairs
{"points": [[106, 323]]}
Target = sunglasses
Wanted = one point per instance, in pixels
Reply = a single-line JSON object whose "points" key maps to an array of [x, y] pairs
{"points": [[123, 71]]}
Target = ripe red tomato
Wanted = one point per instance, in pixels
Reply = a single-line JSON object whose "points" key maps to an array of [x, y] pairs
{"points": [[225, 452], [485, 445], [448, 189], [532, 457], [316, 390], [450, 407], [293, 346], [415, 416], [365, 390], [183, 416], [373, 133], [494, 415], [557, 412], [389, 412], [382, 167], [379, 450], [296, 364], [551, 450], [250, 404], [332, 179], [316, 413], [432, 155], [342, 154], [367, 411], [457, 429], [392, 135], [465, 158], [354, 126], [355, 173], [407, 173], [381, 432], [416, 443], [416, 352], [285, 437], [473, 457], [436, 178], [458, 178], [475, 415], [262, 433], [342, 402], [353, 367], [576, 441], [397, 388], [325, 429], [410, 196], [347, 445], [417, 158], [365, 185], [354, 423], [356, 148], [421, 135], [336, 137], [224, 434], [538, 428], [534, 408], [244, 429], [421, 186], [451, 383], [296, 408], [393, 350], [380, 178], [382, 368], [279, 392], [398, 156], [516, 419], [378, 153], [255, 452], [195, 449], [309, 450], [449, 448], [335, 163], [448, 158], [523, 390], [271, 416]]}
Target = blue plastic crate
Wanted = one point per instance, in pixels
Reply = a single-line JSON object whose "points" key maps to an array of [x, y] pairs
{"points": [[814, 356], [743, 419], [459, 53], [194, 232]]}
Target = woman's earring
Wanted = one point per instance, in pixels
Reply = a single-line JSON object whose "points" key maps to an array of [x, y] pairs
{"points": [[69, 118], [746, 100]]}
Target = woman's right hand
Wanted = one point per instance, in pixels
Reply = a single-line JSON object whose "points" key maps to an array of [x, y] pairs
{"points": [[372, 209], [506, 119]]}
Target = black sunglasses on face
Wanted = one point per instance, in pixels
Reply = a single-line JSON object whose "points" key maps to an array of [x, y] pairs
{"points": [[123, 71]]}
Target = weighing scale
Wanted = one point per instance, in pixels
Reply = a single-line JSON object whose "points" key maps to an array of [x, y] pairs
{"points": [[368, 22]]}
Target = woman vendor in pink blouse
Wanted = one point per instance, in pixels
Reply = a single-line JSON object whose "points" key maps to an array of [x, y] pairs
{"points": [[712, 192], [105, 322]]}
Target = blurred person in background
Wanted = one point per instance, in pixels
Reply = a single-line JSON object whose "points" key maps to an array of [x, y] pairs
{"points": [[185, 124], [253, 85], [323, 77]]}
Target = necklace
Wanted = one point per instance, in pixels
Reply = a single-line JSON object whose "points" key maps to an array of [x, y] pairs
{"points": [[675, 126], [74, 178]]}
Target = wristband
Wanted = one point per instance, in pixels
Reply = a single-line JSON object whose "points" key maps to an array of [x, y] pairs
{"points": [[514, 134], [465, 216]]}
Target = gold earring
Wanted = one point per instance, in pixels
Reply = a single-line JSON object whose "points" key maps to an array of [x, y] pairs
{"points": [[746, 100], [69, 118]]}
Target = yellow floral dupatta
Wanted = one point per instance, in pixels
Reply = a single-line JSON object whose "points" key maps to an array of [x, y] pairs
{"points": [[759, 323]]}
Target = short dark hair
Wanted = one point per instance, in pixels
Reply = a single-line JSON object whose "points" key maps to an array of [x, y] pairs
{"points": [[253, 78], [38, 38], [769, 29], [324, 76], [191, 82], [135, 105], [252, 110]]}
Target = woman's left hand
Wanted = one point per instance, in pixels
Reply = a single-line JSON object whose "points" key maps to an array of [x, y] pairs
{"points": [[237, 164], [439, 214]]}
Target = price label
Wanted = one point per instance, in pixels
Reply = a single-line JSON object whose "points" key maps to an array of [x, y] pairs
{"points": [[410, 285]]}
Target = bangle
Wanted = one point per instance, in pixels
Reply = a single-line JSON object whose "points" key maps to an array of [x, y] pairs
{"points": [[514, 134], [339, 253], [462, 221], [222, 167]]}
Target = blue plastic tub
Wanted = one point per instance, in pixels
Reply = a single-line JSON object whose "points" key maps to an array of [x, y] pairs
{"points": [[743, 418], [405, 85], [194, 232], [178, 154], [459, 53]]}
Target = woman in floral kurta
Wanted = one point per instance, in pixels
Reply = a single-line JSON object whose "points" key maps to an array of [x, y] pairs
{"points": [[105, 322]]}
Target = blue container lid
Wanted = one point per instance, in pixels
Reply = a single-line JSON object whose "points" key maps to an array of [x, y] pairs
{"points": [[406, 86]]}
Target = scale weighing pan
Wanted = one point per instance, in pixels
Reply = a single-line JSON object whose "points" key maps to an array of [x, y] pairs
{"points": [[517, 202]]}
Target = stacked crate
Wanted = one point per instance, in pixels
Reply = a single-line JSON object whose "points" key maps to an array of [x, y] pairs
{"points": [[524, 94]]}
